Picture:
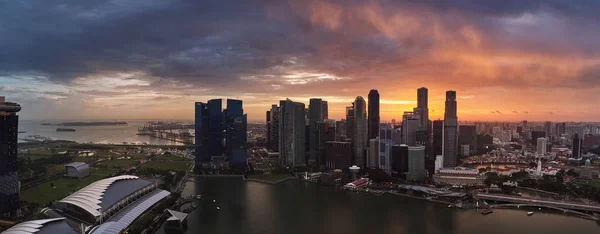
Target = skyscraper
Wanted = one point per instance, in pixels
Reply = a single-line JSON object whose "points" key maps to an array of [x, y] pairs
{"points": [[373, 153], [576, 146], [9, 181], [215, 128], [467, 135], [373, 114], [535, 135], [438, 137], [201, 133], [422, 104], [386, 140], [548, 128], [410, 125], [326, 132], [315, 115], [561, 128], [350, 121], [273, 129], [292, 133], [325, 111], [542, 146], [359, 138], [236, 125], [399, 160], [416, 163], [450, 130]]}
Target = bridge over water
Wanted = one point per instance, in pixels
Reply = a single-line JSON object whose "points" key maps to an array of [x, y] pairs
{"points": [[539, 202]]}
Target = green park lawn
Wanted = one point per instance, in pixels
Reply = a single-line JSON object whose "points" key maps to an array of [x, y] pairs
{"points": [[44, 193], [119, 163], [168, 165]]}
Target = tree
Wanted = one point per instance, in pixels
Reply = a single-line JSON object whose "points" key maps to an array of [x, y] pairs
{"points": [[492, 178], [571, 172], [532, 164], [482, 170]]}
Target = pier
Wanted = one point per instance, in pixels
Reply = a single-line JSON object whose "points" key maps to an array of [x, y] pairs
{"points": [[168, 131]]}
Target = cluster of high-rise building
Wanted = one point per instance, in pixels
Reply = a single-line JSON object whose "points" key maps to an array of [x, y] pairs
{"points": [[9, 181], [220, 133], [304, 137]]}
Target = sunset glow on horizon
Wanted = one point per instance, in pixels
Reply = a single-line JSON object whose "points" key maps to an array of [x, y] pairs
{"points": [[507, 60]]}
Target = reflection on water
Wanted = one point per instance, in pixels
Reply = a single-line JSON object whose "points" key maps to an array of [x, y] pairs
{"points": [[97, 134], [302, 207]]}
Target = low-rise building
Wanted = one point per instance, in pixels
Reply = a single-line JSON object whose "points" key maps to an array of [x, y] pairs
{"points": [[459, 176], [77, 170]]}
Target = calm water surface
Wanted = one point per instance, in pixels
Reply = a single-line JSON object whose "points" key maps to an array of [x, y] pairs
{"points": [[96, 134], [302, 207]]}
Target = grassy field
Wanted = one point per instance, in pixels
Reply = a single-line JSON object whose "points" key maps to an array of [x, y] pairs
{"points": [[119, 163], [593, 183], [44, 193], [270, 177], [168, 165], [172, 158]]}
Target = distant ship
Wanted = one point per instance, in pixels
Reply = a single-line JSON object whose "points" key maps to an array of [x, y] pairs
{"points": [[65, 130], [21, 132]]}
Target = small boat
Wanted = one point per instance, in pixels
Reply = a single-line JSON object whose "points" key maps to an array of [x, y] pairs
{"points": [[198, 196], [486, 212], [214, 201], [449, 206], [218, 208], [530, 213], [539, 208]]}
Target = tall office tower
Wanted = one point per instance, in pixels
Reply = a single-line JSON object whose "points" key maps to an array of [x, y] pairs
{"points": [[548, 128], [422, 104], [438, 137], [560, 128], [373, 114], [467, 135], [373, 153], [542, 146], [450, 130], [9, 181], [292, 131], [410, 125], [215, 128], [535, 135], [399, 162], [268, 128], [576, 146], [326, 132], [340, 129], [416, 163], [273, 129], [350, 121], [386, 141], [236, 128], [359, 138], [201, 133], [315, 115], [325, 111]]}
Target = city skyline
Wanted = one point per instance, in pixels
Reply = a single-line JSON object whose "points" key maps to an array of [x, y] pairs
{"points": [[535, 61]]}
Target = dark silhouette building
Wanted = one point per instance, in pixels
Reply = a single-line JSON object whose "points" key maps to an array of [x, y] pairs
{"points": [[422, 105], [338, 154], [467, 135], [450, 130], [400, 160], [325, 111], [326, 133], [9, 181], [236, 128], [561, 128], [576, 146], [273, 129], [535, 135], [438, 137], [373, 114], [292, 134], [315, 115], [350, 121], [484, 141]]}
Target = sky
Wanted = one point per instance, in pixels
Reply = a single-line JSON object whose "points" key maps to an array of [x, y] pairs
{"points": [[507, 60]]}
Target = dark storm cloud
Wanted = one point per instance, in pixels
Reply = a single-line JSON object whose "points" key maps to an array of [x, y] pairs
{"points": [[515, 112], [212, 44]]}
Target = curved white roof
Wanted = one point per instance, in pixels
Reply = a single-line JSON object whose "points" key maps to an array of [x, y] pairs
{"points": [[29, 226], [90, 197]]}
